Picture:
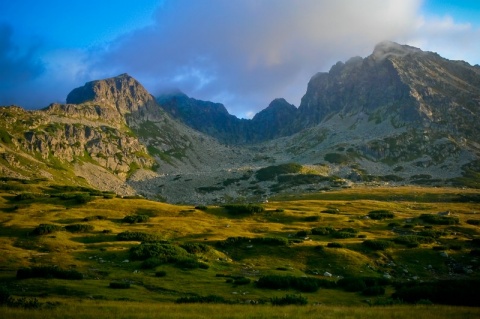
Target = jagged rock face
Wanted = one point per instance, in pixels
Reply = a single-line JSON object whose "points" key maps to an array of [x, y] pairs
{"points": [[206, 117], [274, 121], [123, 92], [213, 119], [399, 82]]}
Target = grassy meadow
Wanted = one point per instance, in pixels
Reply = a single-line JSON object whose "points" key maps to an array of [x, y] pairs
{"points": [[307, 246]]}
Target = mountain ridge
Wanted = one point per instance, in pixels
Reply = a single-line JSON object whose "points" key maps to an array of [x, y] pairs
{"points": [[400, 115]]}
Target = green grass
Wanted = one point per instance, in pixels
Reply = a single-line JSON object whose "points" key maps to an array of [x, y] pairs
{"points": [[265, 243], [121, 309]]}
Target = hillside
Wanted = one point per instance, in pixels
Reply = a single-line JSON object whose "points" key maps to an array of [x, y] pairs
{"points": [[63, 244]]}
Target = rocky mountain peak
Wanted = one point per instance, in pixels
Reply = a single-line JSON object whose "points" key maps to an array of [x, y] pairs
{"points": [[387, 49], [122, 92]]}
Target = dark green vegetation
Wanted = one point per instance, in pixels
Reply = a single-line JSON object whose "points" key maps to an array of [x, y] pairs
{"points": [[337, 251]]}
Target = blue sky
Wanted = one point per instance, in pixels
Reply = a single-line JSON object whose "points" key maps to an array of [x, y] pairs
{"points": [[243, 53]]}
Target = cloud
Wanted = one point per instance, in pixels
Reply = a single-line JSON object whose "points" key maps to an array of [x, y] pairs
{"points": [[242, 53], [16, 65], [249, 52]]}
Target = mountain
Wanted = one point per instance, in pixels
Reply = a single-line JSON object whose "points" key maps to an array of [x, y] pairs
{"points": [[400, 115], [213, 119]]}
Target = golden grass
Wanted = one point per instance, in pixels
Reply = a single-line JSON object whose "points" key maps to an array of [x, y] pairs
{"points": [[121, 310], [179, 224]]}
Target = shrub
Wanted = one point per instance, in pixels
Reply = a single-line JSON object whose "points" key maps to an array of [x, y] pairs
{"points": [[79, 228], [451, 292], [82, 198], [137, 236], [269, 241], [413, 240], [289, 300], [343, 235], [160, 273], [151, 263], [331, 211], [475, 222], [43, 229], [48, 272], [119, 285], [439, 220], [187, 263], [271, 172], [334, 245], [195, 248], [311, 218], [97, 217], [164, 252], [241, 281], [244, 209], [28, 196], [363, 284], [380, 214], [201, 207], [322, 230], [377, 244], [302, 233], [201, 299], [431, 233], [133, 219]]}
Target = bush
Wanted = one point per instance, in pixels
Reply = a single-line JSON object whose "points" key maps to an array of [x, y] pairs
{"points": [[241, 281], [201, 299], [133, 219], [271, 172], [322, 230], [164, 252], [97, 217], [474, 222], [28, 196], [312, 218], [48, 272], [331, 211], [82, 198], [151, 263], [334, 245], [79, 228], [377, 244], [269, 241], [187, 263], [380, 214], [137, 236], [304, 284], [201, 207], [244, 209], [343, 235], [363, 284], [289, 300], [195, 248], [413, 240], [302, 233], [119, 285], [160, 273], [43, 229], [439, 220], [450, 292]]}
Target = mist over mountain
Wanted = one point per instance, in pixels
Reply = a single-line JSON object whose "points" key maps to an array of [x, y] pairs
{"points": [[399, 115]]}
